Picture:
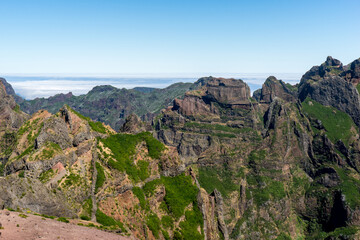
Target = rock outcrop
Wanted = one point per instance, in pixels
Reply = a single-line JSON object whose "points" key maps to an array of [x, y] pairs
{"points": [[134, 125], [273, 88], [324, 85]]}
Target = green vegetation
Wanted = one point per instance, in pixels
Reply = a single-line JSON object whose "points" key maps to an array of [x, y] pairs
{"points": [[150, 187], [123, 149], [219, 127], [62, 219], [100, 176], [139, 193], [193, 219], [47, 216], [86, 210], [180, 192], [98, 127], [49, 151], [167, 222], [22, 174], [350, 187], [105, 220], [264, 188], [17, 108], [26, 152], [46, 175], [358, 87], [95, 126], [23, 215], [337, 124], [283, 236], [255, 158], [153, 223], [72, 180], [217, 177]]}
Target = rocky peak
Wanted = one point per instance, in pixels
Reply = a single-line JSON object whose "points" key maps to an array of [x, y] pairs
{"points": [[332, 62], [325, 85], [273, 88], [10, 115], [10, 91], [227, 91], [133, 124], [331, 67]]}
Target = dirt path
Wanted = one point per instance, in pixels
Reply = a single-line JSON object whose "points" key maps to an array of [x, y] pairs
{"points": [[34, 227]]}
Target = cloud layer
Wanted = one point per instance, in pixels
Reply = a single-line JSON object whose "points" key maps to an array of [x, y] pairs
{"points": [[33, 87]]}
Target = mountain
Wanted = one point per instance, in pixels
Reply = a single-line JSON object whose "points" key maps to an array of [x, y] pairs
{"points": [[216, 164], [109, 104]]}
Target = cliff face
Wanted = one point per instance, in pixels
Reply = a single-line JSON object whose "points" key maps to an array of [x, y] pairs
{"points": [[11, 118]]}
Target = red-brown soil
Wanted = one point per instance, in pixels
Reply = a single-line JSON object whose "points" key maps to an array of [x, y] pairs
{"points": [[15, 227]]}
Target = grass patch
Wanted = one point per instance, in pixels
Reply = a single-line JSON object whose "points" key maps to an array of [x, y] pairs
{"points": [[22, 174], [46, 175], [105, 220], [337, 124], [95, 126], [86, 210], [123, 149], [62, 219], [180, 192], [100, 180], [221, 179], [139, 193], [265, 189], [153, 223], [350, 187], [193, 219], [23, 215]]}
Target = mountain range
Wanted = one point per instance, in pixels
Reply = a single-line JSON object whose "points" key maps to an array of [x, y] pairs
{"points": [[192, 161]]}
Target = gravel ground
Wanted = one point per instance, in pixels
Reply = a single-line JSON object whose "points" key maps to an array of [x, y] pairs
{"points": [[15, 227]]}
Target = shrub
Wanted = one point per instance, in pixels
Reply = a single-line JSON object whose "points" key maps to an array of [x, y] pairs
{"points": [[62, 219], [153, 223], [100, 177], [105, 220], [139, 193]]}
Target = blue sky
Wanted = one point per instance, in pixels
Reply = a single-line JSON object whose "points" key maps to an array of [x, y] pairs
{"points": [[175, 38]]}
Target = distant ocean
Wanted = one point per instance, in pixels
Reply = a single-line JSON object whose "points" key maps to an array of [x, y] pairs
{"points": [[30, 87]]}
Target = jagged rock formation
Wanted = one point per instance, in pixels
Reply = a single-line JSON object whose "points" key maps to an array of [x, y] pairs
{"points": [[134, 125], [273, 88], [326, 85]]}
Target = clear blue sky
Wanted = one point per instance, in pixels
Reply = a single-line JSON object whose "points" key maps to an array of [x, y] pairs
{"points": [[175, 36]]}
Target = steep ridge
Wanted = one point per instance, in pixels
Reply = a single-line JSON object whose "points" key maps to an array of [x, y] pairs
{"points": [[11, 118]]}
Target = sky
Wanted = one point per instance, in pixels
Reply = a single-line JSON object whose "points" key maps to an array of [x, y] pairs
{"points": [[173, 38]]}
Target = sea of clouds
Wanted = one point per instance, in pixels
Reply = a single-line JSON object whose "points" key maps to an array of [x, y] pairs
{"points": [[30, 87]]}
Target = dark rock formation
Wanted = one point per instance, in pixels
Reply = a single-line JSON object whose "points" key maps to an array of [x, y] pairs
{"points": [[276, 88], [323, 84], [134, 125]]}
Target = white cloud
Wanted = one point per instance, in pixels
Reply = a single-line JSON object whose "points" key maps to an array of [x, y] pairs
{"points": [[32, 87]]}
